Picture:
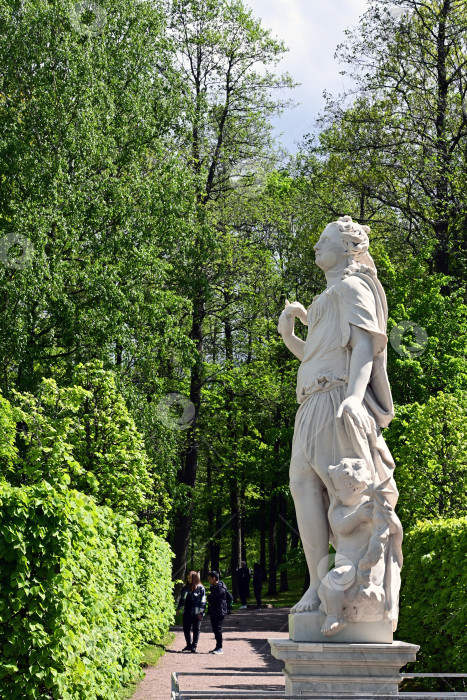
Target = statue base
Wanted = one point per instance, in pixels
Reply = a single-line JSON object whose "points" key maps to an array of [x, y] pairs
{"points": [[306, 627], [313, 668]]}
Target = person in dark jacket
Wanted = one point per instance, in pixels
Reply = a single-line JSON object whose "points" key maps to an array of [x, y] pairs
{"points": [[217, 600], [243, 578], [193, 602], [257, 584]]}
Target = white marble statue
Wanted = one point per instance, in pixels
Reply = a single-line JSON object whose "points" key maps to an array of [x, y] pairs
{"points": [[341, 471]]}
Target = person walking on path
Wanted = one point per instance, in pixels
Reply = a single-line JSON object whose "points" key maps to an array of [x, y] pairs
{"points": [[257, 584], [193, 602], [217, 600], [243, 578], [251, 666]]}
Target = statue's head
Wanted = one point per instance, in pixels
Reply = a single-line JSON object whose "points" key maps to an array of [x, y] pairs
{"points": [[344, 244], [350, 478]]}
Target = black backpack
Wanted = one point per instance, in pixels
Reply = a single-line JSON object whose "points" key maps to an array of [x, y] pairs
{"points": [[229, 601], [228, 597]]}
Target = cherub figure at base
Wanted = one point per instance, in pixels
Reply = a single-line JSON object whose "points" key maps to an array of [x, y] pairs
{"points": [[361, 524]]}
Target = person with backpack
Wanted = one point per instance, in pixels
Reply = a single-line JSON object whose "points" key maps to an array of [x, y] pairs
{"points": [[218, 607], [193, 602]]}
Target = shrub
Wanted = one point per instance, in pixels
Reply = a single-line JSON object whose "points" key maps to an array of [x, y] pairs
{"points": [[429, 445], [82, 590], [82, 436], [433, 595]]}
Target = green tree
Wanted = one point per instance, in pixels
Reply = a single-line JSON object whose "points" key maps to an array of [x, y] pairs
{"points": [[398, 146], [91, 183], [225, 58]]}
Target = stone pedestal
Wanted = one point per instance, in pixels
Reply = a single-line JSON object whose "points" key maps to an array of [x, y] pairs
{"points": [[326, 668], [306, 627]]}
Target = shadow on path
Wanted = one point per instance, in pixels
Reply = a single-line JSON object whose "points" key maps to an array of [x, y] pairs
{"points": [[247, 662]]}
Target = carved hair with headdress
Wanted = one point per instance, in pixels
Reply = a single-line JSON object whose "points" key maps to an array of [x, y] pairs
{"points": [[356, 243]]}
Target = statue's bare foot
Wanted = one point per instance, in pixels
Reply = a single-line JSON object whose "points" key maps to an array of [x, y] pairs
{"points": [[332, 625], [309, 602]]}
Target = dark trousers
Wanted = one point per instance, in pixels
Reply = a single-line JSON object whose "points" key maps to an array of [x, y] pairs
{"points": [[190, 621], [257, 590], [244, 593], [216, 623]]}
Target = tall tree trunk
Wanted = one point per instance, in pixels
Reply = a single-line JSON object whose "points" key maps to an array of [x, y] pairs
{"points": [[441, 225], [186, 476], [236, 534], [273, 514], [294, 533], [235, 498], [262, 540], [272, 574], [205, 567], [214, 544], [214, 518], [282, 543], [118, 354], [243, 533]]}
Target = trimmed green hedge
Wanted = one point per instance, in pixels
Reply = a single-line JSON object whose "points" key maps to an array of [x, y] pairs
{"points": [[82, 590], [434, 595]]}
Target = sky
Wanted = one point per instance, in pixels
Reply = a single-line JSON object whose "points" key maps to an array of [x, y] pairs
{"points": [[311, 29]]}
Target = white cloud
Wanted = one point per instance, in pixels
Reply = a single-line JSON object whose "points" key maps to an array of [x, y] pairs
{"points": [[311, 29]]}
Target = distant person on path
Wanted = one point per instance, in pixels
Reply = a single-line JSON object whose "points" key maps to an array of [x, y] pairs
{"points": [[257, 584], [193, 602], [217, 600], [243, 578]]}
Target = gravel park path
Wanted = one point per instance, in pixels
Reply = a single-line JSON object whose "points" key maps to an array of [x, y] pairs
{"points": [[246, 663]]}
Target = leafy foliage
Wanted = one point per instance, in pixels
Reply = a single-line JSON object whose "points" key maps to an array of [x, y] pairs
{"points": [[83, 436], [88, 172], [435, 361], [82, 591], [433, 594], [8, 452], [429, 444]]}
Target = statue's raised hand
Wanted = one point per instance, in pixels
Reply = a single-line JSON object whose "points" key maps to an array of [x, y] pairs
{"points": [[290, 313], [296, 309]]}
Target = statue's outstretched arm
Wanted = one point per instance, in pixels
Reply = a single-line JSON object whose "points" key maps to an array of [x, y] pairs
{"points": [[286, 327]]}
